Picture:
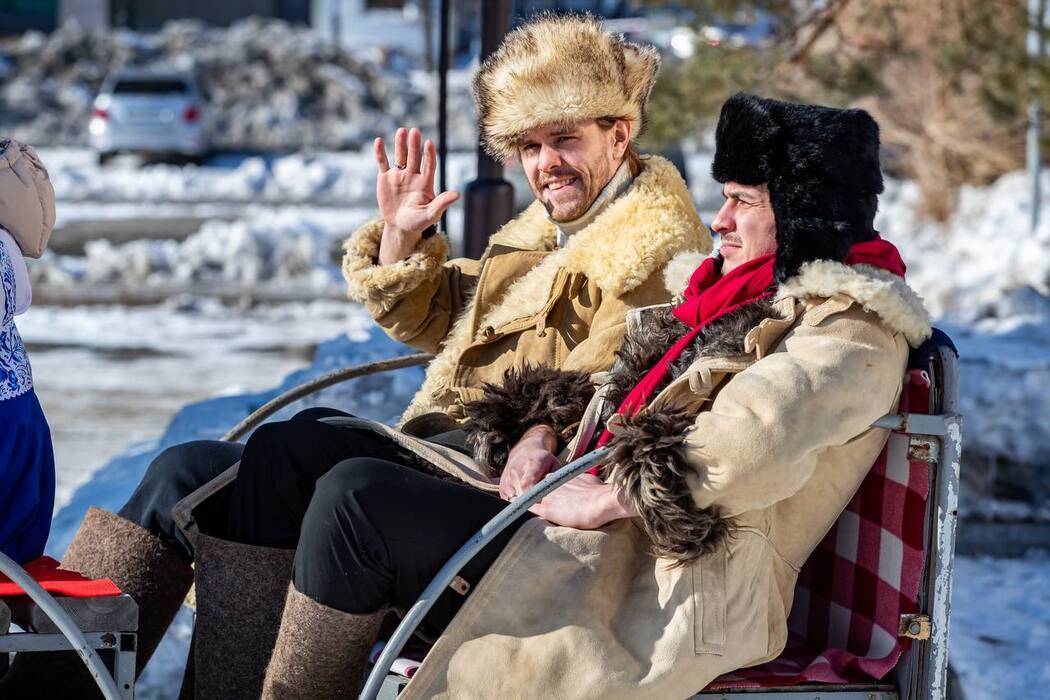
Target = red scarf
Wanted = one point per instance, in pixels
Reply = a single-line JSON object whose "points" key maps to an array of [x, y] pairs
{"points": [[709, 296]]}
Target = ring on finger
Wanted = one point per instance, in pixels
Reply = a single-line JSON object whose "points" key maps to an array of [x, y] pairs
{"points": [[399, 166]]}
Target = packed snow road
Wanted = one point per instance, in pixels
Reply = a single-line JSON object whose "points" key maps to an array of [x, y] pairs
{"points": [[109, 377]]}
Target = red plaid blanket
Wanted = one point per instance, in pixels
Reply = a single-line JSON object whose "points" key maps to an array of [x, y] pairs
{"points": [[861, 578]]}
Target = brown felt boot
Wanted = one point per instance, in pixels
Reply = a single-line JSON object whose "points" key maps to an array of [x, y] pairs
{"points": [[240, 598], [151, 572], [321, 652]]}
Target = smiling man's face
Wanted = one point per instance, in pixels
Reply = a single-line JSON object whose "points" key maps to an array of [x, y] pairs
{"points": [[745, 224], [568, 165]]}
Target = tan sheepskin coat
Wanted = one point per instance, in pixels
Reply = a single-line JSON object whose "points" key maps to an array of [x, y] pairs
{"points": [[780, 442], [525, 301]]}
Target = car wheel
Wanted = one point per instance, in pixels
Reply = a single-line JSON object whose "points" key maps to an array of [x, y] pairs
{"points": [[104, 158]]}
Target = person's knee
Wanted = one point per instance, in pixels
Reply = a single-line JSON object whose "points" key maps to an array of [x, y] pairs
{"points": [[347, 492], [186, 467], [263, 464], [266, 438], [366, 478], [319, 412]]}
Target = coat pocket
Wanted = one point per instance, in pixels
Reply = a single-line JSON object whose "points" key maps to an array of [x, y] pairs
{"points": [[709, 603]]}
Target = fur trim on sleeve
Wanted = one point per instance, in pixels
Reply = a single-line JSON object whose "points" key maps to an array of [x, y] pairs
{"points": [[530, 396], [380, 287], [649, 468]]}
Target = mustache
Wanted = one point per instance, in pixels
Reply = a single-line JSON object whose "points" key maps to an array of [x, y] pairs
{"points": [[559, 174], [731, 239]]}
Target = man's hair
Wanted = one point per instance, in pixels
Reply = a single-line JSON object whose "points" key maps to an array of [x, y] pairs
{"points": [[631, 155]]}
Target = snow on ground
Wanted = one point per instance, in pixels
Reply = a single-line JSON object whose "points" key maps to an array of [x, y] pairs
{"points": [[1000, 627], [109, 376], [265, 222]]}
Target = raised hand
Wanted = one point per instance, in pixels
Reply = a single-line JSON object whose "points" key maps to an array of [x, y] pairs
{"points": [[405, 192]]}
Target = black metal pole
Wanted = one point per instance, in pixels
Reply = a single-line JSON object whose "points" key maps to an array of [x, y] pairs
{"points": [[489, 199], [443, 96]]}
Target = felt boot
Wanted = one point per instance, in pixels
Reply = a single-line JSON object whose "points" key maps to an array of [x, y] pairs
{"points": [[144, 567], [240, 597], [321, 652]]}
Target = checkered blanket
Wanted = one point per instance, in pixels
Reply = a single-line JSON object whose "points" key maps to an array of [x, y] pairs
{"points": [[861, 578]]}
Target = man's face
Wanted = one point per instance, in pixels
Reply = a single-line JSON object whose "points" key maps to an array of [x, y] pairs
{"points": [[568, 165], [745, 224]]}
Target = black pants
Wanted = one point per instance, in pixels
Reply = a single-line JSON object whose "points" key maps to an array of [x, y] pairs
{"points": [[369, 529]]}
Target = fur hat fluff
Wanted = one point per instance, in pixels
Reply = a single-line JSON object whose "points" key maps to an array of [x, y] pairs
{"points": [[561, 69], [822, 168]]}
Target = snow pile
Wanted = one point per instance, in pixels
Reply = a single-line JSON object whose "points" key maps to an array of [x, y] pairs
{"points": [[1004, 372], [334, 179], [274, 247], [965, 269], [267, 84]]}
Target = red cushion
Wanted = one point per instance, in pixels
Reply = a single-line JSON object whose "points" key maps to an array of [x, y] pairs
{"points": [[56, 581]]}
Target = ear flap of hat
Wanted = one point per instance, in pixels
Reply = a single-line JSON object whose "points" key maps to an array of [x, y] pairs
{"points": [[802, 240]]}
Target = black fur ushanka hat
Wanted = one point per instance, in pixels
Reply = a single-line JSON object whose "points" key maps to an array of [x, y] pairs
{"points": [[822, 168]]}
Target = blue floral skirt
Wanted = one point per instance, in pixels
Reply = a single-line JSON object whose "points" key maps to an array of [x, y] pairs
{"points": [[27, 478]]}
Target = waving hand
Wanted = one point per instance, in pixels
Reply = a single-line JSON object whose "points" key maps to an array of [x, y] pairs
{"points": [[405, 192]]}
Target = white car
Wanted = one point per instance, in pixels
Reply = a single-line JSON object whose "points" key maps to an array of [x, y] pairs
{"points": [[149, 112]]}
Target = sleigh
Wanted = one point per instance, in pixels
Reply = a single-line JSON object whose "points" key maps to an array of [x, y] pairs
{"points": [[871, 613]]}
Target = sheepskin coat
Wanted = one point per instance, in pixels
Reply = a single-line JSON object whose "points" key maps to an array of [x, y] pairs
{"points": [[762, 439], [526, 302]]}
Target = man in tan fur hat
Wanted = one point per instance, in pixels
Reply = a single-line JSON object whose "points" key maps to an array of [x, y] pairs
{"points": [[551, 292]]}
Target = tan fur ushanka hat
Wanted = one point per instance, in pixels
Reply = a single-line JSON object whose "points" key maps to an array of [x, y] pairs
{"points": [[561, 69]]}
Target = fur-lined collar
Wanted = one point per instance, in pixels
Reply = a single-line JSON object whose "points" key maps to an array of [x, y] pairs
{"points": [[625, 244], [621, 248], [878, 291]]}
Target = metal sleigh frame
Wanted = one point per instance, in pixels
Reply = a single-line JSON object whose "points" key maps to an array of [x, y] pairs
{"points": [[922, 673]]}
